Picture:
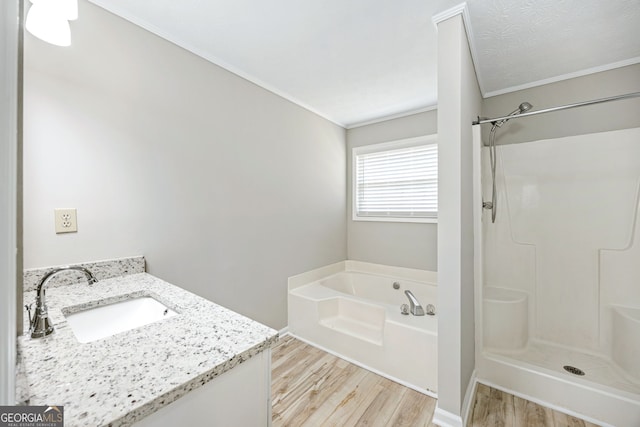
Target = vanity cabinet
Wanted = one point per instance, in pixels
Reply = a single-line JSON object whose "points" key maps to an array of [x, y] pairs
{"points": [[240, 397]]}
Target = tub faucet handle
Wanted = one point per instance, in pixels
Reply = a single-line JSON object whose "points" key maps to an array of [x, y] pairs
{"points": [[396, 285], [431, 310]]}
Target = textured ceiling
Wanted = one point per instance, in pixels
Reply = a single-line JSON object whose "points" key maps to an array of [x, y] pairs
{"points": [[528, 42], [354, 61]]}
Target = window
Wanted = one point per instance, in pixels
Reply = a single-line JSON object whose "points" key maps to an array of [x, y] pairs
{"points": [[396, 181]]}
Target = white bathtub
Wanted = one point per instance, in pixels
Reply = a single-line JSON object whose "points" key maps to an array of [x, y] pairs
{"points": [[351, 309]]}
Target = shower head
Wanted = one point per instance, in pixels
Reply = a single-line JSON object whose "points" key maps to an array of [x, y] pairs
{"points": [[522, 108]]}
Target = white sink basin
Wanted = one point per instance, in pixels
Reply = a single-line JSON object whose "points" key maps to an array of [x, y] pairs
{"points": [[101, 322]]}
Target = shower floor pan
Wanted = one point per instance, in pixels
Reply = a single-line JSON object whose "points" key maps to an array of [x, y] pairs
{"points": [[604, 395], [599, 370]]}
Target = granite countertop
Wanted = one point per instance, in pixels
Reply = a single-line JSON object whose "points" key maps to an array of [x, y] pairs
{"points": [[120, 379]]}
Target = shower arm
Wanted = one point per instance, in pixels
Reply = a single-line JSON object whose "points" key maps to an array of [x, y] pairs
{"points": [[483, 120]]}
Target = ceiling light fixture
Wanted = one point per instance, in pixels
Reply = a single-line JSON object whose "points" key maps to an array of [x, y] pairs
{"points": [[69, 9], [49, 20]]}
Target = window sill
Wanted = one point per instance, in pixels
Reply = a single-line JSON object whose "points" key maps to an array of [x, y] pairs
{"points": [[394, 219]]}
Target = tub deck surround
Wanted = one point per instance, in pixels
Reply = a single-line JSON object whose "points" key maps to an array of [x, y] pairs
{"points": [[307, 277], [352, 309], [119, 380]]}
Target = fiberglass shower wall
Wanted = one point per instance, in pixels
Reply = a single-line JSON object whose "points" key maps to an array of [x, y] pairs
{"points": [[562, 261]]}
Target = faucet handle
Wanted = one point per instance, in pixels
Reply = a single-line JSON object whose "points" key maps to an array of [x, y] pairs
{"points": [[28, 308]]}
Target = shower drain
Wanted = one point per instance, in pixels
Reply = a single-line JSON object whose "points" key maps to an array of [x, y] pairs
{"points": [[573, 370]]}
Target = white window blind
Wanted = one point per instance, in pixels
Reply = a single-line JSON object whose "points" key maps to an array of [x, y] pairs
{"points": [[397, 182]]}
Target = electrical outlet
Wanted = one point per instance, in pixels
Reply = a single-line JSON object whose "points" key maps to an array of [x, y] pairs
{"points": [[66, 220]]}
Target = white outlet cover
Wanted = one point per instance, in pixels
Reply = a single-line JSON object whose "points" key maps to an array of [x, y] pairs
{"points": [[66, 220]]}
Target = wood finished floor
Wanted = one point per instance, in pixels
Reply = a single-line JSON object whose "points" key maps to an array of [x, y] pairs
{"points": [[494, 408], [313, 388]]}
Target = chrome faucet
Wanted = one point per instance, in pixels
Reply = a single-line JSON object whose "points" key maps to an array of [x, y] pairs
{"points": [[40, 325], [416, 308]]}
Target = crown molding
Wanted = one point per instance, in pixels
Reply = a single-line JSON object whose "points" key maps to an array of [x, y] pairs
{"points": [[462, 9], [392, 116], [458, 9], [567, 76]]}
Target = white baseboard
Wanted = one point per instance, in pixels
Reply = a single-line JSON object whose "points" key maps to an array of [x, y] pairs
{"points": [[467, 403], [444, 418], [283, 332], [447, 419]]}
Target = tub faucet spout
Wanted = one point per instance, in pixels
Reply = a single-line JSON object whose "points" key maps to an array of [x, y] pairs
{"points": [[416, 308]]}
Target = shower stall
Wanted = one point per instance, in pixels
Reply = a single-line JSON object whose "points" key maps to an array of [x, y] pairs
{"points": [[557, 268]]}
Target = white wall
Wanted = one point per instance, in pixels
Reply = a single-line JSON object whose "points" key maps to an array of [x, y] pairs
{"points": [[459, 103], [9, 29], [471, 104], [577, 121], [402, 244], [226, 188]]}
